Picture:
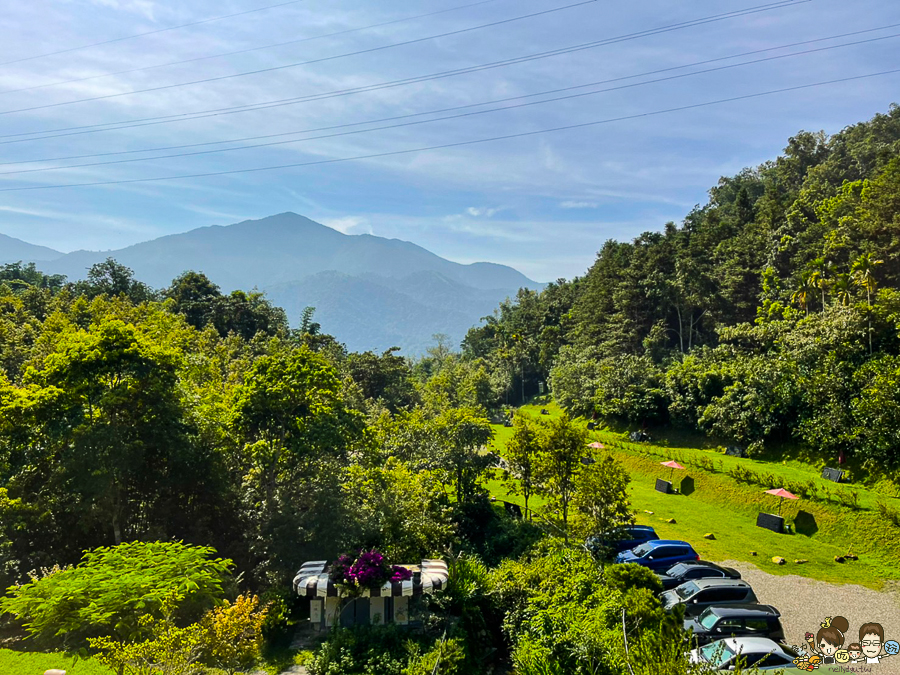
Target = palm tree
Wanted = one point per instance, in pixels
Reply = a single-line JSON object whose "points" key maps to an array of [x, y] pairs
{"points": [[821, 276], [863, 273], [843, 286], [801, 295]]}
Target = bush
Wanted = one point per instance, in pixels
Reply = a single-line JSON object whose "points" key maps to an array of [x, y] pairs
{"points": [[446, 657], [114, 587], [889, 514], [630, 576], [233, 634]]}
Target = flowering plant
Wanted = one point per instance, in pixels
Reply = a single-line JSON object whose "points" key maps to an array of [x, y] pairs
{"points": [[369, 570]]}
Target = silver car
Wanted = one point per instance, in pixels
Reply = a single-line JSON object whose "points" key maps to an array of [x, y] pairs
{"points": [[699, 594], [759, 653]]}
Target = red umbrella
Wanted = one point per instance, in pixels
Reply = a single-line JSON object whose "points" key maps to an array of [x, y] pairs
{"points": [[784, 494], [672, 464], [596, 446]]}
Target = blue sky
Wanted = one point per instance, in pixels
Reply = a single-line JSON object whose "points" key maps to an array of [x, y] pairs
{"points": [[542, 203]]}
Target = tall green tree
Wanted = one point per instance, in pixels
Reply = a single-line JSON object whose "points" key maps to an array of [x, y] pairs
{"points": [[560, 465]]}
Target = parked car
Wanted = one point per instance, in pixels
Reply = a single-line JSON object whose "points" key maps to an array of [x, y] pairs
{"points": [[762, 653], [659, 555], [699, 594], [695, 569], [622, 538], [741, 620]]}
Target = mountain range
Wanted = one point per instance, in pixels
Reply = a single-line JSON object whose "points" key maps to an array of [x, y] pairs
{"points": [[370, 292]]}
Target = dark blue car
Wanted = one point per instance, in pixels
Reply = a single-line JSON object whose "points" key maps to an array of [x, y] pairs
{"points": [[622, 538], [660, 554]]}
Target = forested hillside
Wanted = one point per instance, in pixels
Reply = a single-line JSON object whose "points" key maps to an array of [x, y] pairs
{"points": [[770, 314]]}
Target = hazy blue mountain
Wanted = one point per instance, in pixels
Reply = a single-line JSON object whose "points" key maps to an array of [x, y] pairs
{"points": [[13, 250], [373, 312], [279, 249], [370, 292]]}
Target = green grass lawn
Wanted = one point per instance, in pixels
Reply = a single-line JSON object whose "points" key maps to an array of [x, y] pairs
{"points": [[721, 506], [35, 663]]}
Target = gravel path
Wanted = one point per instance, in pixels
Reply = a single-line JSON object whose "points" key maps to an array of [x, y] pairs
{"points": [[804, 604]]}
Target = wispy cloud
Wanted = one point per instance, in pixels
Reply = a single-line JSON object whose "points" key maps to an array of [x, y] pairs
{"points": [[349, 224], [578, 205]]}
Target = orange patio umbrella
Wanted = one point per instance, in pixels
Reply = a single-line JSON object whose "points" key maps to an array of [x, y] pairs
{"points": [[784, 494], [672, 464]]}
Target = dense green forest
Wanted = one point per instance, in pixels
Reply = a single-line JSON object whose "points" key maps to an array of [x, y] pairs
{"points": [[768, 318], [181, 447]]}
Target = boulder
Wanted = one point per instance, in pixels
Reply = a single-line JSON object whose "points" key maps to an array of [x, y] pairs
{"points": [[839, 559], [671, 521], [754, 553], [650, 512], [800, 561], [778, 560], [709, 535], [851, 556]]}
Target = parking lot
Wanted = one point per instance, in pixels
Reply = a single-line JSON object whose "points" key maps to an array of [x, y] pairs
{"points": [[804, 604]]}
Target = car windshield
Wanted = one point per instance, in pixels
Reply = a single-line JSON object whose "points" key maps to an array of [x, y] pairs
{"points": [[677, 571], [717, 653], [708, 619], [686, 590], [642, 550]]}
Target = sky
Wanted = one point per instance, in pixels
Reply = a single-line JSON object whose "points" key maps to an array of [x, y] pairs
{"points": [[541, 201]]}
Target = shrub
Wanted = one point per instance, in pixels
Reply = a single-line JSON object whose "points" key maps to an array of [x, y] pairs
{"points": [[446, 657], [113, 587], [889, 514], [233, 634], [630, 576]]}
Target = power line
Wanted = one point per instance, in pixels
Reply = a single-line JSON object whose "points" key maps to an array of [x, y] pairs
{"points": [[323, 59], [433, 112], [394, 153], [250, 107], [150, 32], [252, 49]]}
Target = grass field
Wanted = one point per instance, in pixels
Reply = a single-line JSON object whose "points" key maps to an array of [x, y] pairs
{"points": [[35, 663], [727, 509]]}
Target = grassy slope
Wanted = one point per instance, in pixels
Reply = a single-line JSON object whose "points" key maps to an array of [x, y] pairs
{"points": [[727, 509], [31, 663]]}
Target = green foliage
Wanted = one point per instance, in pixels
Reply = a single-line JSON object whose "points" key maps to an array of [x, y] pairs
{"points": [[232, 634], [601, 497], [560, 464], [523, 457], [110, 591], [631, 576]]}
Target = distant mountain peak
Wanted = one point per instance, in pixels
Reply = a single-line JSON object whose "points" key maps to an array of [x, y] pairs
{"points": [[13, 250]]}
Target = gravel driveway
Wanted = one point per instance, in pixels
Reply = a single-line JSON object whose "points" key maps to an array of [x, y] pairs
{"points": [[804, 604]]}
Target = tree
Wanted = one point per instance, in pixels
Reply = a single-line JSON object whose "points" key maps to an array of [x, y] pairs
{"points": [[295, 432], [113, 418], [461, 434], [522, 453], [114, 587], [194, 296], [601, 497], [863, 274], [112, 278], [563, 446]]}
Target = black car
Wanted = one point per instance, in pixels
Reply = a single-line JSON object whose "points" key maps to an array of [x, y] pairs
{"points": [[724, 621], [622, 538], [695, 569]]}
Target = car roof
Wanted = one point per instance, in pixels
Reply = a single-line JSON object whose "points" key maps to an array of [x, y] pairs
{"points": [[748, 645], [744, 609], [716, 583], [638, 528], [669, 542], [700, 563]]}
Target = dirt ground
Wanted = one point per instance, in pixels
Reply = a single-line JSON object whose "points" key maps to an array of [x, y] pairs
{"points": [[804, 604]]}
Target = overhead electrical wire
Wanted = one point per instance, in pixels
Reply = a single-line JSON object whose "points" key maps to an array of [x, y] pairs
{"points": [[252, 49], [69, 50], [250, 107], [297, 64], [434, 112], [457, 144]]}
